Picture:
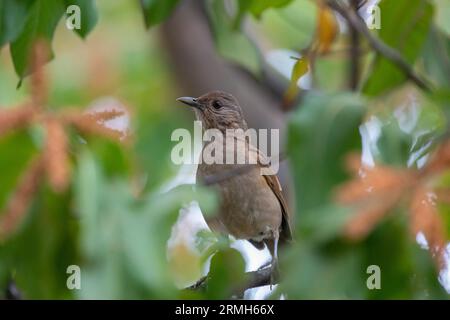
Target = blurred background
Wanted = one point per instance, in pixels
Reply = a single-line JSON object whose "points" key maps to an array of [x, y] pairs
{"points": [[111, 201]]}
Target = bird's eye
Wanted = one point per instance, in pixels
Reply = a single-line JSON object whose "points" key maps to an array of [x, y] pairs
{"points": [[217, 105]]}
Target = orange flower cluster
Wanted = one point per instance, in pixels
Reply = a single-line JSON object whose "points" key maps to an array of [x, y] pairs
{"points": [[376, 191], [53, 162]]}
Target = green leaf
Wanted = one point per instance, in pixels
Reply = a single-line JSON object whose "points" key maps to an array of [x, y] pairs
{"points": [[405, 25], [124, 239], [226, 274], [13, 14], [315, 273], [407, 271], [301, 67], [227, 39], [16, 152], [42, 18], [321, 132], [43, 248], [156, 11], [89, 15]]}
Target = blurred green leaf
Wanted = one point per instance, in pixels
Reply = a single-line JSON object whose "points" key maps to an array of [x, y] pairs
{"points": [[408, 125], [292, 26], [405, 26], [436, 57], [13, 14], [442, 14], [301, 67], [321, 133], [124, 239], [89, 15], [40, 24], [257, 7], [227, 38], [407, 271], [156, 11], [16, 151], [316, 273], [323, 224]]}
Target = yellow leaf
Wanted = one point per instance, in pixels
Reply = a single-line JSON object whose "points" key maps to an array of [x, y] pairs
{"points": [[301, 67]]}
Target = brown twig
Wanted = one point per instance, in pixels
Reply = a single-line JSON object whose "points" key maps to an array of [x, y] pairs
{"points": [[379, 46]]}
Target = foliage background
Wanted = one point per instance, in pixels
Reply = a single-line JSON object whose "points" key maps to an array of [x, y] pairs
{"points": [[116, 215]]}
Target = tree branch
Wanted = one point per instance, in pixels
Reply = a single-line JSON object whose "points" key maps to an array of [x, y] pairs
{"points": [[379, 46]]}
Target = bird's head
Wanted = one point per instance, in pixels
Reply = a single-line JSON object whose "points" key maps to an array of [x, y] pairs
{"points": [[217, 110]]}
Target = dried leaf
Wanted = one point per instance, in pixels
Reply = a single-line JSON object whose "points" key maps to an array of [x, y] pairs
{"points": [[327, 29], [374, 182]]}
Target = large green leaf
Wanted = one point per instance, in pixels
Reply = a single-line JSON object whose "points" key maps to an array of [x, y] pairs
{"points": [[228, 39], [156, 11], [404, 26], [257, 7], [89, 15], [13, 14], [226, 274], [42, 18], [321, 133]]}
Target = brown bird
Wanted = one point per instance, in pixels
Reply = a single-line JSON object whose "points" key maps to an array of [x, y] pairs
{"points": [[252, 206]]}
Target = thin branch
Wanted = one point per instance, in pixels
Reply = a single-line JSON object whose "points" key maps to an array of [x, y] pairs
{"points": [[379, 46], [354, 51]]}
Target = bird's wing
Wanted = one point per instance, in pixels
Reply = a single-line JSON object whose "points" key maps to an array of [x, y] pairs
{"points": [[275, 186]]}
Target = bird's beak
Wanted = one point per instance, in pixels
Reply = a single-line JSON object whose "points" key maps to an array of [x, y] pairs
{"points": [[192, 102]]}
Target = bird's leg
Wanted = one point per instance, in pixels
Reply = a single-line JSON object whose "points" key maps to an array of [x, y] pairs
{"points": [[274, 266], [272, 245]]}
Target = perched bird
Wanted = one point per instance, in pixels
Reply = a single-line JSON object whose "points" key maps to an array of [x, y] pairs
{"points": [[252, 206]]}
